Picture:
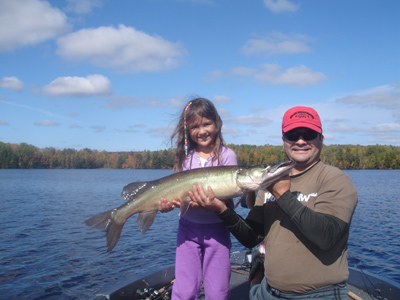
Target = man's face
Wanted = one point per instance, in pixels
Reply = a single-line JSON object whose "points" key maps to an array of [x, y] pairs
{"points": [[301, 147]]}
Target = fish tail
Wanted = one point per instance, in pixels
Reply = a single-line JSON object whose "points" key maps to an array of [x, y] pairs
{"points": [[104, 221], [113, 233]]}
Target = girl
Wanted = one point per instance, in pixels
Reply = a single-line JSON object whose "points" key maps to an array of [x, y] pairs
{"points": [[203, 243]]}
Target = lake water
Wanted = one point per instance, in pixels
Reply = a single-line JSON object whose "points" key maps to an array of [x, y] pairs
{"points": [[46, 251]]}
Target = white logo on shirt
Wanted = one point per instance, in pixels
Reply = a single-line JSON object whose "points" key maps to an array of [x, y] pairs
{"points": [[300, 197], [305, 198]]}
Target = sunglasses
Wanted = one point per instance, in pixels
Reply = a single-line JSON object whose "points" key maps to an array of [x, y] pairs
{"points": [[294, 136]]}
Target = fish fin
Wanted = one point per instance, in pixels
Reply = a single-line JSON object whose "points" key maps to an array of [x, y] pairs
{"points": [[131, 190], [146, 219], [184, 206], [240, 199], [100, 221], [237, 203], [105, 221]]}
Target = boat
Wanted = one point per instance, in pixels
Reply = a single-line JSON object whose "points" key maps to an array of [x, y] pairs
{"points": [[245, 271]]}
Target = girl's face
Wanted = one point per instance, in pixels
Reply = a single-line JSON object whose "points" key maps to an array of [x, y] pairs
{"points": [[202, 131]]}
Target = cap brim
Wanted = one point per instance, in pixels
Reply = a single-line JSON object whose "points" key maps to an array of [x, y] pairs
{"points": [[302, 124]]}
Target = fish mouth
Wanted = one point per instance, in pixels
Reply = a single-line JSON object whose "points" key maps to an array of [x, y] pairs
{"points": [[275, 172], [278, 165], [277, 168]]}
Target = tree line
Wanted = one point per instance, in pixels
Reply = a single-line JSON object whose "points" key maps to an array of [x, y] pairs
{"points": [[26, 156]]}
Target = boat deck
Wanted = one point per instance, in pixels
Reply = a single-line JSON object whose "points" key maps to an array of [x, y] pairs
{"points": [[158, 285], [240, 285]]}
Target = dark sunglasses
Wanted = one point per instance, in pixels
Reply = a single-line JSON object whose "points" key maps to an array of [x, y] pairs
{"points": [[307, 135]]}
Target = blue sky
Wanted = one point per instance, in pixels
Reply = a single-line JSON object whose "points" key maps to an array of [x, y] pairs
{"points": [[113, 75]]}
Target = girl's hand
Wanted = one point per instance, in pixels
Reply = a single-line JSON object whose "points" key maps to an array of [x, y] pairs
{"points": [[200, 199], [165, 206]]}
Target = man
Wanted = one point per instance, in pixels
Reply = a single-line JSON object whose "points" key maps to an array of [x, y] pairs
{"points": [[304, 219]]}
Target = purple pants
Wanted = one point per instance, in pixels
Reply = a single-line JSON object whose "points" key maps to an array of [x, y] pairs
{"points": [[203, 252]]}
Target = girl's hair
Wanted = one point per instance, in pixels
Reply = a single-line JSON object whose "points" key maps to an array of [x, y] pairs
{"points": [[204, 108]]}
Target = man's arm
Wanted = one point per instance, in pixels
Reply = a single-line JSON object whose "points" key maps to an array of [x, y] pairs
{"points": [[248, 233], [323, 230]]}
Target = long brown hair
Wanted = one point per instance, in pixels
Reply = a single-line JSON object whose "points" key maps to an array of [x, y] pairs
{"points": [[204, 108]]}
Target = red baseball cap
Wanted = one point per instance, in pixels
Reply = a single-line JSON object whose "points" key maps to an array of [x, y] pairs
{"points": [[301, 116]]}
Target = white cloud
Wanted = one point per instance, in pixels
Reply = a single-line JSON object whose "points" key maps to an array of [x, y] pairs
{"points": [[163, 131], [396, 115], [249, 120], [297, 76], [75, 126], [132, 128], [79, 86], [224, 113], [230, 130], [387, 127], [338, 127], [12, 83], [82, 6], [98, 128], [120, 102], [384, 139], [177, 101], [29, 22], [213, 75], [243, 71], [124, 49], [279, 6], [47, 123], [276, 44], [300, 76], [385, 96], [198, 1], [221, 99]]}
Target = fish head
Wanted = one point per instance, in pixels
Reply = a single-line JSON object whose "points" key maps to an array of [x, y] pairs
{"points": [[261, 176]]}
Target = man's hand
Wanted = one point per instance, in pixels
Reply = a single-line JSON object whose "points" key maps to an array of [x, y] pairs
{"points": [[278, 188], [200, 199]]}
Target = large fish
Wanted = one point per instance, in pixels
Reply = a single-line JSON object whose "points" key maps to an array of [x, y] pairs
{"points": [[143, 197]]}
